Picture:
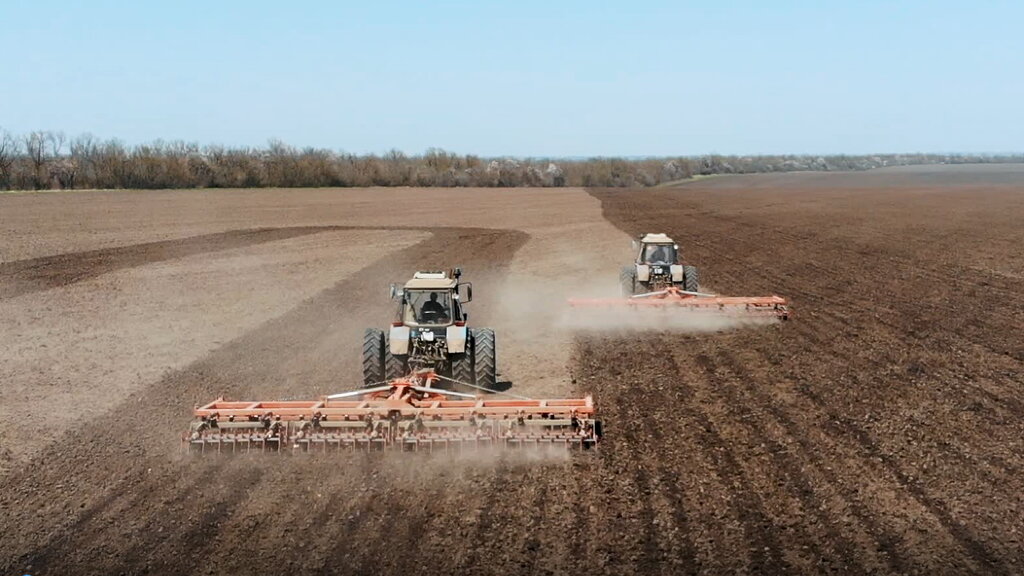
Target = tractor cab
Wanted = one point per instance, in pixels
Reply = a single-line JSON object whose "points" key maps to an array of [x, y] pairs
{"points": [[657, 249], [430, 332], [430, 307], [433, 299]]}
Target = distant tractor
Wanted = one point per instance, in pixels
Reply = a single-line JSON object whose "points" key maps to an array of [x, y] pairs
{"points": [[430, 332], [657, 266], [658, 280]]}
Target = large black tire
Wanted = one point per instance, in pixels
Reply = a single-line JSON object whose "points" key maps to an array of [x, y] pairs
{"points": [[462, 370], [484, 358], [373, 356], [627, 278], [394, 365], [691, 282]]}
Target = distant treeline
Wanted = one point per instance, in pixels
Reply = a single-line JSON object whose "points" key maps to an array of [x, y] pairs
{"points": [[51, 160]]}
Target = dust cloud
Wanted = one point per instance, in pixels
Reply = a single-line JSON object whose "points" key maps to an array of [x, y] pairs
{"points": [[416, 466]]}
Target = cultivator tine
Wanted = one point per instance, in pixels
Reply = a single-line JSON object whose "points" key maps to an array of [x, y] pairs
{"points": [[407, 416]]}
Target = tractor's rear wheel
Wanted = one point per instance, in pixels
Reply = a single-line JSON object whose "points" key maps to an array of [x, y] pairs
{"points": [[373, 356], [627, 279], [691, 282], [484, 358], [462, 369], [394, 365]]}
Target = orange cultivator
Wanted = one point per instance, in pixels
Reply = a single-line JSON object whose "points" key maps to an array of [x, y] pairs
{"points": [[672, 297], [406, 414]]}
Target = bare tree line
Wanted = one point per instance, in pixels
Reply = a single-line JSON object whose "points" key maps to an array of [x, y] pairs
{"points": [[44, 160]]}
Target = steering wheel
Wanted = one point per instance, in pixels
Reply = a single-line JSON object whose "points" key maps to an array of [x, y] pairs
{"points": [[428, 316]]}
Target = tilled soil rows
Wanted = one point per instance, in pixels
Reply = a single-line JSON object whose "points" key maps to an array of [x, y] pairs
{"points": [[879, 431]]}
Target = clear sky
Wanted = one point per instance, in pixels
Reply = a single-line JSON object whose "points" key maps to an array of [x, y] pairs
{"points": [[525, 78]]}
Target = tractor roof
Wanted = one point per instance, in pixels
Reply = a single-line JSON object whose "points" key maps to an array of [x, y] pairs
{"points": [[431, 281], [657, 239]]}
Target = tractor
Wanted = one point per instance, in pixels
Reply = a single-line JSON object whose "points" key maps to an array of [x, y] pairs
{"points": [[430, 332], [658, 266]]}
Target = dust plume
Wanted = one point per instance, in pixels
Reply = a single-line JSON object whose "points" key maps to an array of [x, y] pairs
{"points": [[420, 465], [543, 311]]}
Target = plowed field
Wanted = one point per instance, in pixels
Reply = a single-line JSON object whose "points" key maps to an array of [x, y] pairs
{"points": [[880, 431]]}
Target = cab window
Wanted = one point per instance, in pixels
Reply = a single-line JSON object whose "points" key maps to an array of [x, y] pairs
{"points": [[428, 307]]}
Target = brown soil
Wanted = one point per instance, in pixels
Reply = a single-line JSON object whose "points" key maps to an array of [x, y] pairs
{"points": [[25, 276], [880, 431]]}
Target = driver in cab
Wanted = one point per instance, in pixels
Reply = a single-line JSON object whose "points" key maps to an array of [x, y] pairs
{"points": [[433, 310], [659, 255]]}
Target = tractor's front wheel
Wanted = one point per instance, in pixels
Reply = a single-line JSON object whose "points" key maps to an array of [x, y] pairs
{"points": [[373, 356], [484, 358]]}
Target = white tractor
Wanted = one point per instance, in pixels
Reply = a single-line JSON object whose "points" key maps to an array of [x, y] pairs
{"points": [[658, 266], [430, 332]]}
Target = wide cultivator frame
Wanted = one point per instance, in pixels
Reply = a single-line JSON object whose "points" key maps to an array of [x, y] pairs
{"points": [[407, 414], [672, 297]]}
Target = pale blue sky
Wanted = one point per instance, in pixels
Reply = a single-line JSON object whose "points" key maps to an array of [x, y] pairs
{"points": [[527, 78]]}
